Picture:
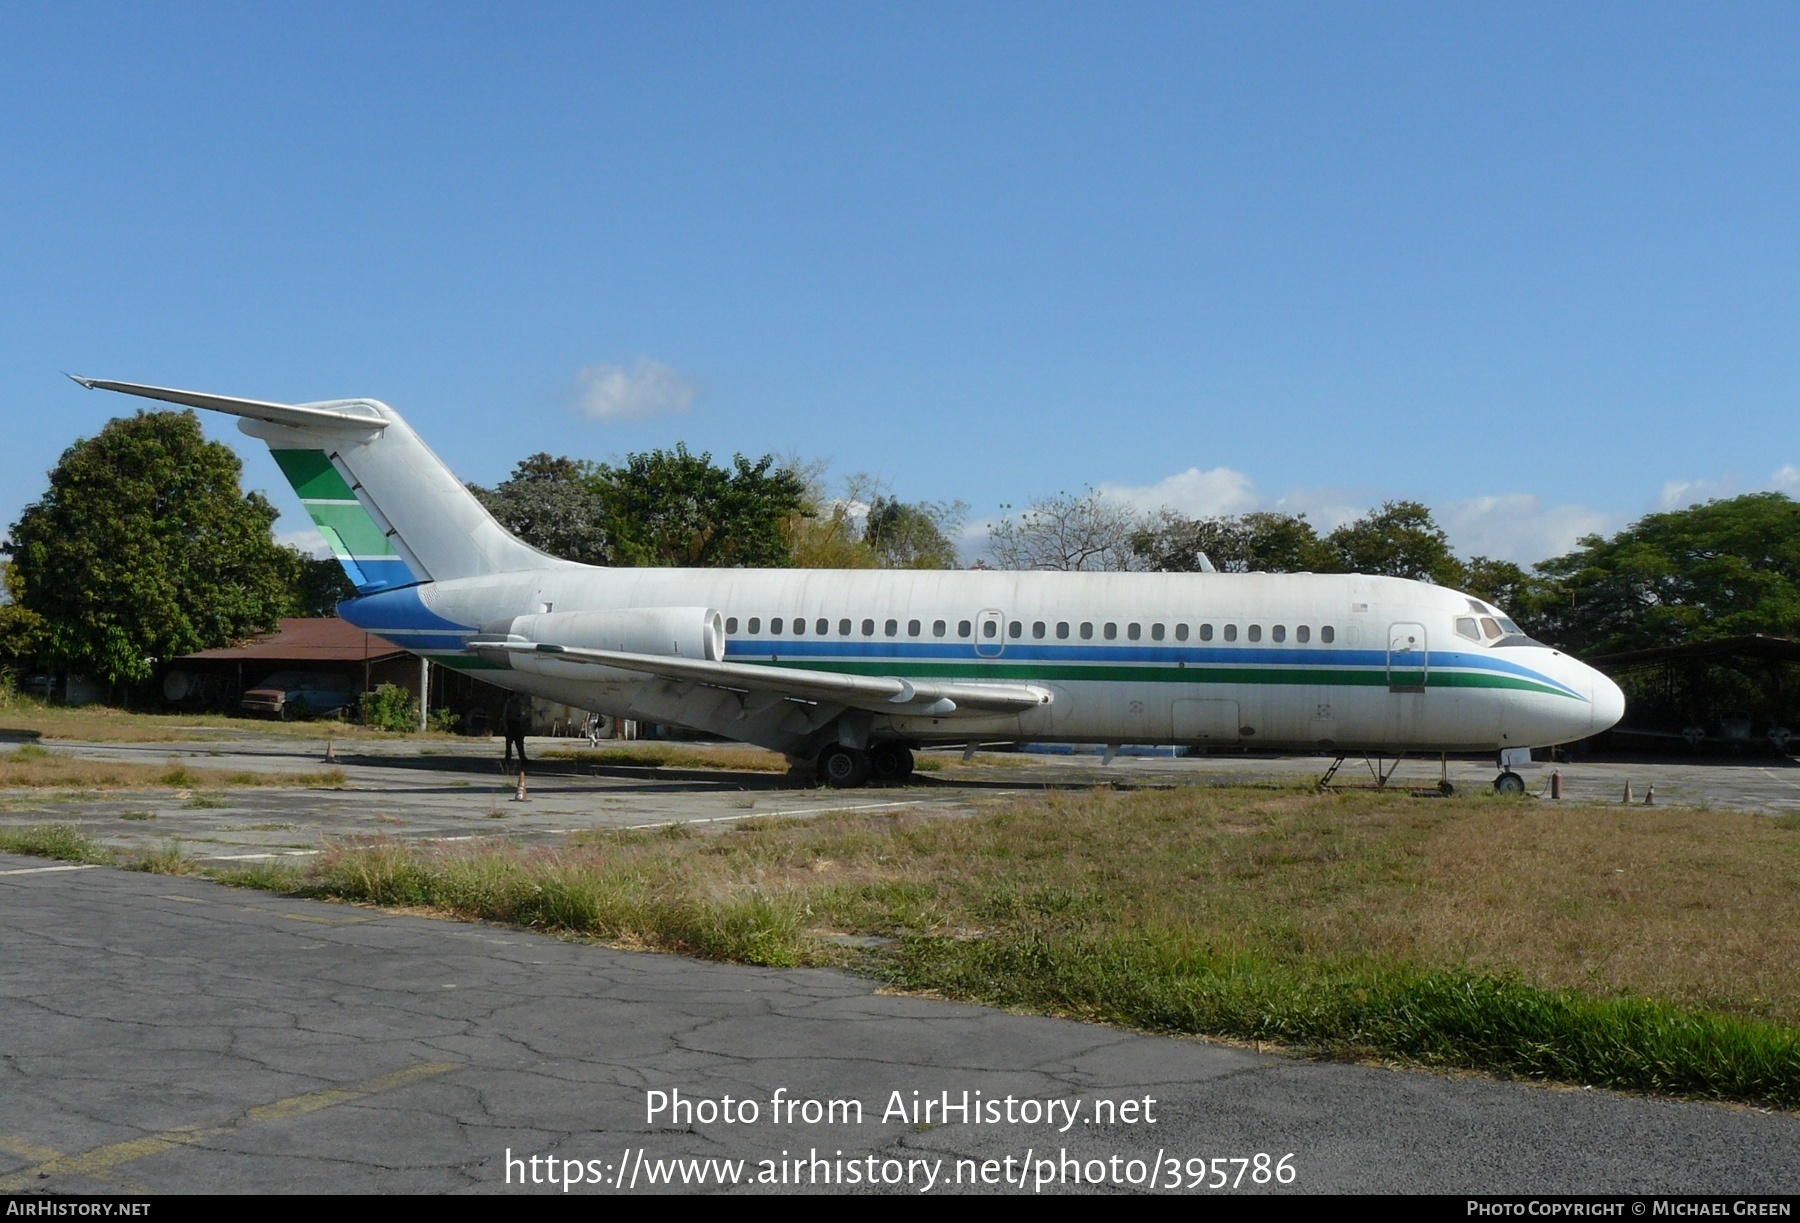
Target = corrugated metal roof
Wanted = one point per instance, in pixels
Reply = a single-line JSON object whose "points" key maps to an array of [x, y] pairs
{"points": [[327, 639]]}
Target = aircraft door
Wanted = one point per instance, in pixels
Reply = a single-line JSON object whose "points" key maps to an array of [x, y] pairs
{"points": [[1408, 660], [990, 634]]}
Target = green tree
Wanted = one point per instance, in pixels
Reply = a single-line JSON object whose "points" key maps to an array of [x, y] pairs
{"points": [[318, 586], [913, 535], [22, 634], [557, 504], [1261, 542], [145, 547], [670, 507], [1503, 584], [1401, 539], [1722, 569]]}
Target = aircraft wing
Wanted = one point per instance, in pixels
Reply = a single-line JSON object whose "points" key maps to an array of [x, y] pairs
{"points": [[885, 694]]}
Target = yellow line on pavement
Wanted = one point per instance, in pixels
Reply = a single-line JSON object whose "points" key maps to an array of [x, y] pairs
{"points": [[24, 1148], [100, 1159]]}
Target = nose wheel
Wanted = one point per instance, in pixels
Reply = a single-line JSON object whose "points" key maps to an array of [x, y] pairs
{"points": [[1510, 784]]}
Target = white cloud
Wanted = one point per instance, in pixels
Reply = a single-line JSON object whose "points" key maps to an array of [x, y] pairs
{"points": [[1679, 494], [612, 392], [307, 539], [1787, 480], [1518, 527], [1196, 493]]}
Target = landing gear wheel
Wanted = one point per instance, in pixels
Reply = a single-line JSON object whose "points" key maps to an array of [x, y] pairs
{"points": [[1510, 784], [890, 763], [1446, 788], [843, 768]]}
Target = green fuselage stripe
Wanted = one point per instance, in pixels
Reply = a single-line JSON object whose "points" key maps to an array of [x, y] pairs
{"points": [[1104, 673]]}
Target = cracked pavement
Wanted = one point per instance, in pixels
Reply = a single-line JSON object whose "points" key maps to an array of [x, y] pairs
{"points": [[171, 1034]]}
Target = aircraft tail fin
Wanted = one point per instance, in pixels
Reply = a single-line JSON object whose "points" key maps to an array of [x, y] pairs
{"points": [[392, 513]]}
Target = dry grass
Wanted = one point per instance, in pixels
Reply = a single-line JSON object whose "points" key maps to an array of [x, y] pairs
{"points": [[33, 767], [23, 717], [1696, 907], [735, 757], [1471, 932]]}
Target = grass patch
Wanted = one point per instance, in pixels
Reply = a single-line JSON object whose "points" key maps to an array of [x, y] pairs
{"points": [[29, 716], [677, 756], [34, 767], [1629, 948], [58, 841], [69, 844], [137, 815]]}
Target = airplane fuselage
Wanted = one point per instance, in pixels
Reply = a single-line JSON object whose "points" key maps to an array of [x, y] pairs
{"points": [[1313, 662]]}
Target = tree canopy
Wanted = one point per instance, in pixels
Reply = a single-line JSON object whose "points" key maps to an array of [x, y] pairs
{"points": [[1723, 569], [145, 547]]}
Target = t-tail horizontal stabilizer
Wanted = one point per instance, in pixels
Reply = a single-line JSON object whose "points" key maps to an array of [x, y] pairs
{"points": [[391, 512]]}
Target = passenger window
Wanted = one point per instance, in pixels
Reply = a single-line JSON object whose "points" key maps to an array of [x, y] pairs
{"points": [[1062, 630], [891, 628], [1111, 630], [1181, 632], [1302, 634], [1037, 630], [938, 628], [1134, 631], [1256, 632], [731, 624], [1327, 634], [1278, 633], [1231, 632], [912, 628], [989, 628], [843, 628], [823, 627], [1087, 630], [1206, 632], [1156, 632], [868, 628], [1465, 627], [962, 628], [755, 625], [799, 626], [775, 626], [1489, 627], [1015, 630]]}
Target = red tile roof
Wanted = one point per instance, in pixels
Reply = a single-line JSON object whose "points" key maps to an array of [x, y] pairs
{"points": [[302, 640]]}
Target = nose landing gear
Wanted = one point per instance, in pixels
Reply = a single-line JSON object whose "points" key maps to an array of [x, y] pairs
{"points": [[1510, 784]]}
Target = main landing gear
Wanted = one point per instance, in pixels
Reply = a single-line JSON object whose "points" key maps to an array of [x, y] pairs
{"points": [[846, 768]]}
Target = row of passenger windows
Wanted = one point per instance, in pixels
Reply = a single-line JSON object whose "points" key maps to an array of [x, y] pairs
{"points": [[1016, 629]]}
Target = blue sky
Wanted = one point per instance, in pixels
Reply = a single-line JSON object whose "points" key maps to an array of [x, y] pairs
{"points": [[1533, 265]]}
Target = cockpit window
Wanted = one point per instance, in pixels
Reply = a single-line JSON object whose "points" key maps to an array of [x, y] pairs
{"points": [[1465, 627], [1489, 628], [1510, 627]]}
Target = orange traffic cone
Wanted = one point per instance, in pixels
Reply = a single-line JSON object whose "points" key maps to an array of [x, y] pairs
{"points": [[520, 796], [1628, 791], [1650, 797], [330, 752]]}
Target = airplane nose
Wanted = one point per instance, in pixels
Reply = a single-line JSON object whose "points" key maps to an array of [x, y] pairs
{"points": [[1608, 704]]}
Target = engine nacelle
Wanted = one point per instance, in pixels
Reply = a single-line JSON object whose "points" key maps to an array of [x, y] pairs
{"points": [[682, 632]]}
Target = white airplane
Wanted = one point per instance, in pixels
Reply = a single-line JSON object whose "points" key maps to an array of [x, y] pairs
{"points": [[855, 668]]}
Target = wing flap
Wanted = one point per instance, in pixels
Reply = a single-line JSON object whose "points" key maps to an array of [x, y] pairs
{"points": [[883, 693]]}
